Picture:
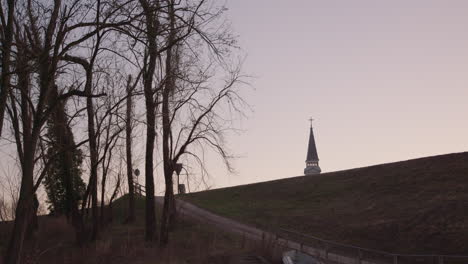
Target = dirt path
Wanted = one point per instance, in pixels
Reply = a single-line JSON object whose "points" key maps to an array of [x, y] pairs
{"points": [[191, 211]]}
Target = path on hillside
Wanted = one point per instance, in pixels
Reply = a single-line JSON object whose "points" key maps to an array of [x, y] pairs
{"points": [[186, 209]]}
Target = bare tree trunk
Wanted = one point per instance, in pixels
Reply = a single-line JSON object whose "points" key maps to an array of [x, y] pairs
{"points": [[148, 76], [33, 224], [168, 215], [128, 145], [26, 153], [24, 207], [93, 155], [169, 206], [102, 208], [105, 166], [114, 194], [109, 144], [103, 191], [6, 61], [149, 178]]}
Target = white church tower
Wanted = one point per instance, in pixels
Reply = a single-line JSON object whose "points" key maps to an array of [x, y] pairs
{"points": [[312, 166]]}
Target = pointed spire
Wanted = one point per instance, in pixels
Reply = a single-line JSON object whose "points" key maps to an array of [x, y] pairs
{"points": [[312, 159], [312, 149]]}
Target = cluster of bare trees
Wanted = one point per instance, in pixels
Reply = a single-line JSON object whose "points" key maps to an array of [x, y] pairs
{"points": [[81, 65]]}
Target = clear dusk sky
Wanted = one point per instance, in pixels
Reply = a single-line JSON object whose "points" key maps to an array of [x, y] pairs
{"points": [[384, 80]]}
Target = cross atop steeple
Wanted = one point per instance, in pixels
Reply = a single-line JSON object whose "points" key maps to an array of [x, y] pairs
{"points": [[312, 159]]}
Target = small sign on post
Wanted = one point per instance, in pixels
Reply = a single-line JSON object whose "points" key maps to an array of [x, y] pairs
{"points": [[178, 169], [137, 185], [182, 188], [136, 173]]}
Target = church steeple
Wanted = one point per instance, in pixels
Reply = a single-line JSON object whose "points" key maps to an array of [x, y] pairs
{"points": [[312, 159]]}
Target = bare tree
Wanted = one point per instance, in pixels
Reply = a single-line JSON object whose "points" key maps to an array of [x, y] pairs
{"points": [[54, 51], [150, 11], [192, 100], [4, 210], [88, 66], [43, 41], [9, 186], [108, 143], [117, 190], [169, 165]]}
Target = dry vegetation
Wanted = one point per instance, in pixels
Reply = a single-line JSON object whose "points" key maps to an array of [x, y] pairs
{"points": [[76, 74], [192, 242], [415, 206]]}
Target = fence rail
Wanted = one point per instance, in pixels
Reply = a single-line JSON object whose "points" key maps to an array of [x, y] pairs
{"points": [[140, 189], [343, 253], [331, 251]]}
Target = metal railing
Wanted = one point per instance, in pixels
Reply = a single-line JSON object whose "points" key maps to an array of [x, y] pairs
{"points": [[139, 189], [343, 253]]}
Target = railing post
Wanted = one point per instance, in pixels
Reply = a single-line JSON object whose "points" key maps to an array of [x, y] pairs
{"points": [[359, 256], [326, 250], [243, 240], [441, 259], [395, 259]]}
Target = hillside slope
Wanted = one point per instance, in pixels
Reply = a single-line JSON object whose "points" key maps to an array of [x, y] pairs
{"points": [[414, 206]]}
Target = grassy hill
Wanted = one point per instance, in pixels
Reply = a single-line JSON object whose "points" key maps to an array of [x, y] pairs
{"points": [[414, 206], [120, 208]]}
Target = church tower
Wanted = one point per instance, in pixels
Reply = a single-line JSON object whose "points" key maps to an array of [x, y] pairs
{"points": [[312, 166]]}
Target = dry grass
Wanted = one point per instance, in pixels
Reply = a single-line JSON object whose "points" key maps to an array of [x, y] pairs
{"points": [[191, 242], [415, 206]]}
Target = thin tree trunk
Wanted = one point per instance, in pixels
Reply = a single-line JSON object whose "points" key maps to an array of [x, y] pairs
{"points": [[114, 194], [151, 27], [6, 61], [24, 79], [128, 142], [26, 152], [150, 211], [33, 224], [105, 168], [168, 208], [93, 154], [168, 216], [103, 190], [23, 209]]}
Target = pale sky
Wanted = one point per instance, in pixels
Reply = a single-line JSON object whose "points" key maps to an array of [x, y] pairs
{"points": [[385, 81]]}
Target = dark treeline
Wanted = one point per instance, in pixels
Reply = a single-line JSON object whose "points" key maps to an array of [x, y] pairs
{"points": [[79, 67]]}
